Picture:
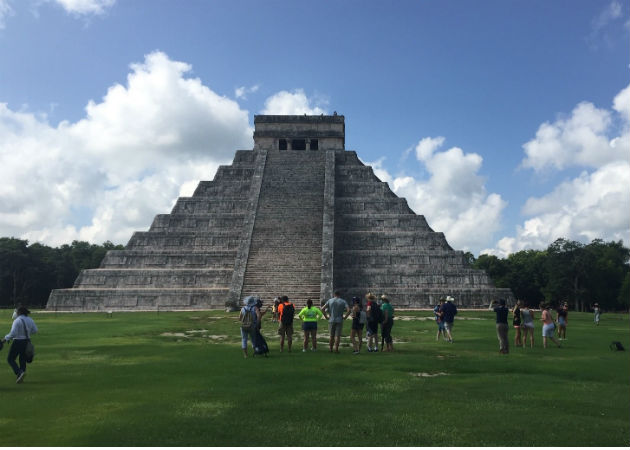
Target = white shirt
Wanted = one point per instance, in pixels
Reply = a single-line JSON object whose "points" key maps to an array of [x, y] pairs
{"points": [[19, 328]]}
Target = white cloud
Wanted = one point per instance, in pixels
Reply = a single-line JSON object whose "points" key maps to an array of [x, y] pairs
{"points": [[133, 154], [295, 102], [243, 91], [581, 140], [596, 203], [5, 11], [453, 199], [85, 7]]}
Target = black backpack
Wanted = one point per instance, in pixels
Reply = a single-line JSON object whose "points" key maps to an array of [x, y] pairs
{"points": [[376, 314], [288, 311]]}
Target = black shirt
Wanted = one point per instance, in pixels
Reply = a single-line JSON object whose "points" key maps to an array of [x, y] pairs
{"points": [[502, 314]]}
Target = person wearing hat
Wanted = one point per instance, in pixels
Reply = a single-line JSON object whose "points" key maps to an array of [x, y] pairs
{"points": [[388, 323], [250, 317], [21, 330], [449, 311]]}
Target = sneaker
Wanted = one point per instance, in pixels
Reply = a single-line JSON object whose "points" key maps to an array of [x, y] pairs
{"points": [[303, 350], [20, 377], [313, 349], [355, 353]]}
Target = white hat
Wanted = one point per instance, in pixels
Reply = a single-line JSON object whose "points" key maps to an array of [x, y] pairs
{"points": [[449, 298]]}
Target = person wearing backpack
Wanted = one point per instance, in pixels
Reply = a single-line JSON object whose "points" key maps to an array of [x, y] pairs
{"points": [[249, 319], [21, 330], [374, 318], [286, 311]]}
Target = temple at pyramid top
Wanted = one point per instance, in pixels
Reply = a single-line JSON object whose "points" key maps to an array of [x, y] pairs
{"points": [[299, 132], [297, 215]]}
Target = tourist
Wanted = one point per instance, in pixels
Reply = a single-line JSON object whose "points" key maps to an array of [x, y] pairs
{"points": [[286, 313], [563, 319], [333, 312], [597, 313], [249, 318], [516, 322], [527, 325], [374, 318], [276, 303], [449, 311], [259, 305], [502, 325], [358, 322], [21, 330], [388, 323], [310, 315], [549, 326], [437, 313]]}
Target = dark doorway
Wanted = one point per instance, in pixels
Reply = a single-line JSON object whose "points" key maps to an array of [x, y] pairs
{"points": [[314, 144], [298, 144], [282, 144]]}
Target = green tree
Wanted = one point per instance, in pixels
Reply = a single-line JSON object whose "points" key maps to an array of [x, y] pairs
{"points": [[527, 276]]}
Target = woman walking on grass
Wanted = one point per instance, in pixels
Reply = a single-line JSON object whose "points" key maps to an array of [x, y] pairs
{"points": [[388, 323], [549, 326], [527, 325], [21, 330], [310, 315], [516, 322]]}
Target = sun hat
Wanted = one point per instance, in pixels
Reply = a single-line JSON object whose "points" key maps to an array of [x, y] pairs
{"points": [[370, 296], [384, 297], [449, 298]]}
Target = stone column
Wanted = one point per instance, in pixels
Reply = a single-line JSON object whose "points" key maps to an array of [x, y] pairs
{"points": [[236, 286], [328, 228]]}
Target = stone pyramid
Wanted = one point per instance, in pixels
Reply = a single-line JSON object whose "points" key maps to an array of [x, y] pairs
{"points": [[299, 216]]}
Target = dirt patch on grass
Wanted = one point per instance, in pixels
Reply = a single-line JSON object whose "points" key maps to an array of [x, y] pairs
{"points": [[195, 334], [429, 375]]}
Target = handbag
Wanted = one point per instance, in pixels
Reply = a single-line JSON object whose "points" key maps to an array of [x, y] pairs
{"points": [[29, 351]]}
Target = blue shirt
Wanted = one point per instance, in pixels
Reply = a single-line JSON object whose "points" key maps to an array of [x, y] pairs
{"points": [[22, 328]]}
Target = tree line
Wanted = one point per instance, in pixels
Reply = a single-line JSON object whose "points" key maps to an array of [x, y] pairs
{"points": [[566, 271], [581, 274], [29, 272]]}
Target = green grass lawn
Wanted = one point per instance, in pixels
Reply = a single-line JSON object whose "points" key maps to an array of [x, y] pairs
{"points": [[179, 378]]}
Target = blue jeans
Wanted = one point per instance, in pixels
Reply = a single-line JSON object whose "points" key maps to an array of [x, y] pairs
{"points": [[18, 347]]}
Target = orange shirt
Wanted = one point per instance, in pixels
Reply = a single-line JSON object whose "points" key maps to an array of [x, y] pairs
{"points": [[281, 309]]}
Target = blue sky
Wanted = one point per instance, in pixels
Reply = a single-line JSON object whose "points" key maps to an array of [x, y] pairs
{"points": [[504, 122]]}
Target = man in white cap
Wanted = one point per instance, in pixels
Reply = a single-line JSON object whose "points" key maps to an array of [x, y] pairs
{"points": [[449, 310]]}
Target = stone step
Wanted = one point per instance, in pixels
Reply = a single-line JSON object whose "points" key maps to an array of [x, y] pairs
{"points": [[200, 205], [154, 278], [155, 241], [136, 299], [197, 222]]}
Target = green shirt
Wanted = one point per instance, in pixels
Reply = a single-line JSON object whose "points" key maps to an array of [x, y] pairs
{"points": [[310, 314], [390, 310]]}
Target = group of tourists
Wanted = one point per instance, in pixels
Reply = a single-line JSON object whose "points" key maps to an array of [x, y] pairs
{"points": [[523, 323], [336, 310]]}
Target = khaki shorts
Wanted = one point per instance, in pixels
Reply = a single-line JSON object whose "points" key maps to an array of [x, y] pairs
{"points": [[285, 330], [334, 328]]}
